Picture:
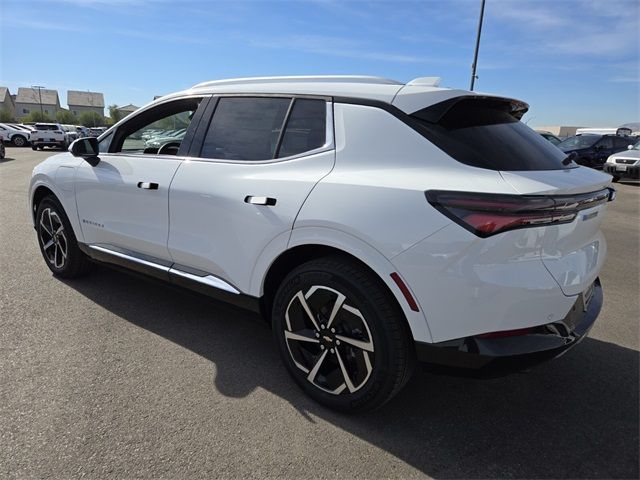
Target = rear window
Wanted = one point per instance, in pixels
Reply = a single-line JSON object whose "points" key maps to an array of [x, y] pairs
{"points": [[487, 133], [40, 126]]}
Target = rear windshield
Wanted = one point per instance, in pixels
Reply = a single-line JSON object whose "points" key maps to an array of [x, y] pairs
{"points": [[486, 133], [40, 126]]}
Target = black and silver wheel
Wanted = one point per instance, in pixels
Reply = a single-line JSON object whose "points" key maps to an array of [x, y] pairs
{"points": [[341, 335], [57, 241], [19, 141], [2, 150]]}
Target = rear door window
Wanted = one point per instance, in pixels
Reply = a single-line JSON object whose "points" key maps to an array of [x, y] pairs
{"points": [[621, 143], [306, 128], [606, 143], [245, 128], [486, 133]]}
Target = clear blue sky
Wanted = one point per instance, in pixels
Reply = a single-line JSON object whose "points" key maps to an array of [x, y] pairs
{"points": [[575, 61]]}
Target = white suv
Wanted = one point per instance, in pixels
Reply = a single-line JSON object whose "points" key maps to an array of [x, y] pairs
{"points": [[15, 135], [372, 223], [49, 135]]}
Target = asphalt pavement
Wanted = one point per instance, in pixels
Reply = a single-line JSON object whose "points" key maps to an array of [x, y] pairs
{"points": [[114, 376]]}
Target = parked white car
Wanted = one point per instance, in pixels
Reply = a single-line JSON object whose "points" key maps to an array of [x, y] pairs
{"points": [[15, 135], [625, 164], [49, 135], [372, 223]]}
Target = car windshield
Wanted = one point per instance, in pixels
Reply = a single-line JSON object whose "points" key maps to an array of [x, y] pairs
{"points": [[636, 146], [579, 141]]}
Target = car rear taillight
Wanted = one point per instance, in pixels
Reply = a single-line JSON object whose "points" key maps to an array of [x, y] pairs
{"points": [[486, 214]]}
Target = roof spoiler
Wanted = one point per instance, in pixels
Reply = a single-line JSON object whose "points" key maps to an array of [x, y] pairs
{"points": [[434, 113]]}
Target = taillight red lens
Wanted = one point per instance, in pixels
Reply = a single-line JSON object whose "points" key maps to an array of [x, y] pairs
{"points": [[486, 214]]}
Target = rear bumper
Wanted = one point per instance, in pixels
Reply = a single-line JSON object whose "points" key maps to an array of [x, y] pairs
{"points": [[492, 357], [633, 171]]}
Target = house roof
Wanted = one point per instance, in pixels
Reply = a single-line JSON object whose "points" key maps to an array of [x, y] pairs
{"points": [[85, 99], [129, 108], [4, 94], [31, 95]]}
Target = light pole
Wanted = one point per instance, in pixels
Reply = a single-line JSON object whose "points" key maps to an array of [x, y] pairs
{"points": [[475, 54], [39, 87]]}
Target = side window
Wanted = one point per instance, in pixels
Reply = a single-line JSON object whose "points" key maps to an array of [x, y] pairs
{"points": [[103, 145], [606, 143], [306, 127], [159, 130], [245, 128], [621, 143]]}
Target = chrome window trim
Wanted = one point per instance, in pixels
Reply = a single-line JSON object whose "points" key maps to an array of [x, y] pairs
{"points": [[328, 146]]}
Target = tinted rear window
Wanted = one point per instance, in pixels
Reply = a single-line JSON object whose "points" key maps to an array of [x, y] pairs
{"points": [[485, 133], [306, 127], [46, 127], [245, 128]]}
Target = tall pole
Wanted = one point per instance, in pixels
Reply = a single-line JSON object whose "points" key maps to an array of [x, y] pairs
{"points": [[40, 96], [475, 54]]}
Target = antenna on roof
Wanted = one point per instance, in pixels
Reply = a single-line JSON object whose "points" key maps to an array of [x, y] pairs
{"points": [[475, 54]]}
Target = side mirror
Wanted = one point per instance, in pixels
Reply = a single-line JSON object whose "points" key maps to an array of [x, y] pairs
{"points": [[86, 148], [629, 147]]}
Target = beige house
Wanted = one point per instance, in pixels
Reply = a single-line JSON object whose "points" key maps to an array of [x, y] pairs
{"points": [[127, 109], [80, 102], [30, 99], [6, 101]]}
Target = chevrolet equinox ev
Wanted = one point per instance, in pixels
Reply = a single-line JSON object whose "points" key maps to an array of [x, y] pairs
{"points": [[374, 224]]}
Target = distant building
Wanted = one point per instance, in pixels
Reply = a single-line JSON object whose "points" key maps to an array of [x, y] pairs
{"points": [[6, 101], [560, 131], [127, 109], [80, 102], [29, 99]]}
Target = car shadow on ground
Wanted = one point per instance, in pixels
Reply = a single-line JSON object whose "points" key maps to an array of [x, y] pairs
{"points": [[575, 417]]}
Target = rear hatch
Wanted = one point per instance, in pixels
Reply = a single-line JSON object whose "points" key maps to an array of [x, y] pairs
{"points": [[47, 133], [565, 203], [572, 252]]}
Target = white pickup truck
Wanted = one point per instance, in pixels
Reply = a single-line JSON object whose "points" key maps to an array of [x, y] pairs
{"points": [[49, 135]]}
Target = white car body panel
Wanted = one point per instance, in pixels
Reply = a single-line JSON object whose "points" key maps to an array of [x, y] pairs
{"points": [[57, 174], [467, 286], [114, 211], [215, 230], [373, 197]]}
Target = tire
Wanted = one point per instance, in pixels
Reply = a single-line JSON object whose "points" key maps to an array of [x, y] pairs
{"points": [[57, 241], [34, 148], [2, 151], [19, 141], [359, 360], [616, 179]]}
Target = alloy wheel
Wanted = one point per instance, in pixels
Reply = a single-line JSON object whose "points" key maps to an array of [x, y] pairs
{"points": [[53, 238], [329, 340]]}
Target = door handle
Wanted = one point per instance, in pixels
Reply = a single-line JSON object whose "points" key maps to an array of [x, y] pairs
{"points": [[148, 185], [260, 200]]}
